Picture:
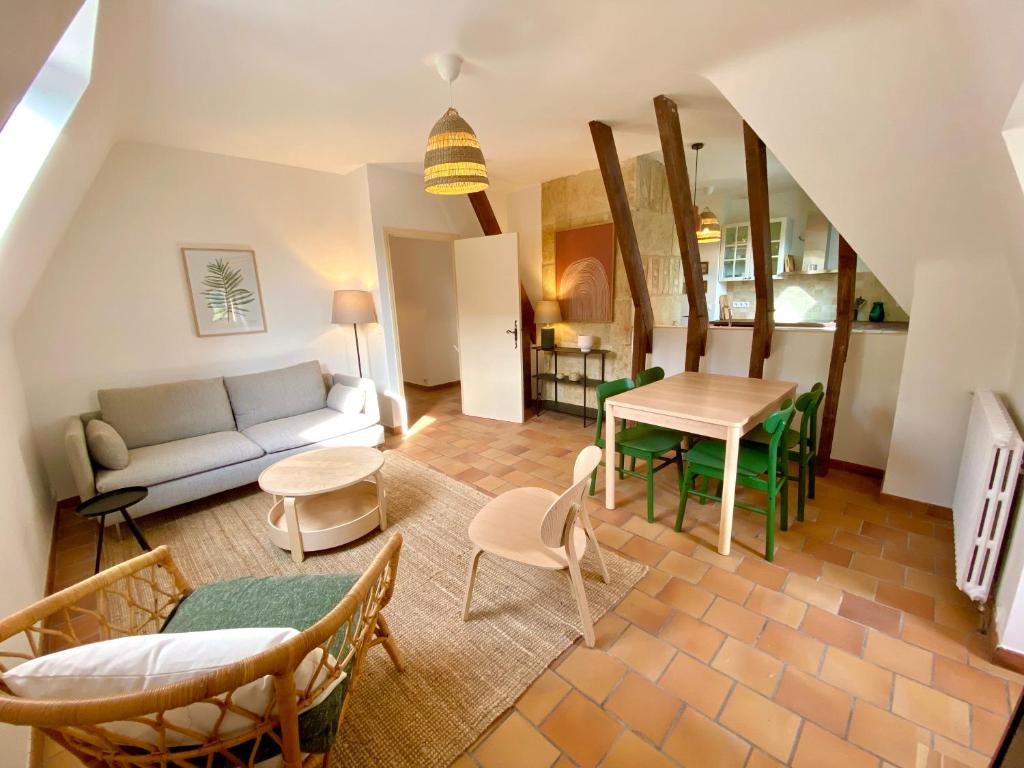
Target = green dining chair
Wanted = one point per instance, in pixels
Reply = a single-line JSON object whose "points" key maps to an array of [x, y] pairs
{"points": [[801, 443], [647, 376], [641, 441], [762, 467]]}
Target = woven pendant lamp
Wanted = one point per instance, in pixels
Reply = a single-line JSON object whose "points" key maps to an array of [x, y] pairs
{"points": [[454, 163], [709, 228]]}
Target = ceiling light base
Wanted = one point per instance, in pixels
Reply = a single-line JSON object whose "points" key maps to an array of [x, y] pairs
{"points": [[449, 65]]}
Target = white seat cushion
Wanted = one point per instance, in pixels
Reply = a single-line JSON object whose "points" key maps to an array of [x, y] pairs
{"points": [[509, 526], [306, 429], [155, 464], [130, 664]]}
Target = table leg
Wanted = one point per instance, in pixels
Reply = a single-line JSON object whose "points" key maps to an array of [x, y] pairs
{"points": [[99, 543], [135, 531], [732, 454], [381, 500], [291, 521], [609, 457]]}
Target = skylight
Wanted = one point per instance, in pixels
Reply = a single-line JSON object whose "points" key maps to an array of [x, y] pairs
{"points": [[34, 125]]}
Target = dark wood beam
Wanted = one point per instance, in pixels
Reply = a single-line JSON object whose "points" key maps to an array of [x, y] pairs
{"points": [[489, 225], [840, 346], [686, 228], [760, 238], [622, 216]]}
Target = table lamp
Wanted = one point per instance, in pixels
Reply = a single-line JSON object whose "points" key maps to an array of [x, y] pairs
{"points": [[354, 307], [547, 312]]}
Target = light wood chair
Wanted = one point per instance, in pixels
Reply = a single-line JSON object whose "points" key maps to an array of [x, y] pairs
{"points": [[537, 527]]}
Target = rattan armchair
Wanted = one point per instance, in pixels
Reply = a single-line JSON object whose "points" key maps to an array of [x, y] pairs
{"points": [[136, 597]]}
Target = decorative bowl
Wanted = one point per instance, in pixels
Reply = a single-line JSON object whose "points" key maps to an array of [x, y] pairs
{"points": [[574, 377], [586, 343]]}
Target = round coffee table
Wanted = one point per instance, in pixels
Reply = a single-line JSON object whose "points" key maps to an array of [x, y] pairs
{"points": [[324, 498]]}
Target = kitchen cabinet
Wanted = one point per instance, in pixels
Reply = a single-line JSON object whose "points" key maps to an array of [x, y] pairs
{"points": [[737, 262]]}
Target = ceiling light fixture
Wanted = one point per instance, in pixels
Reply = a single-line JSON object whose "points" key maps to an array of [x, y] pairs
{"points": [[709, 228], [454, 163]]}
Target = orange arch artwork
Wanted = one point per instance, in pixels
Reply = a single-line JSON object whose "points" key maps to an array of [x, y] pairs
{"points": [[585, 273]]}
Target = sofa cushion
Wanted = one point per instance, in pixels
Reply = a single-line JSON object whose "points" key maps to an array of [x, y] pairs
{"points": [[106, 447], [305, 429], [345, 399], [259, 397], [165, 412], [154, 464]]}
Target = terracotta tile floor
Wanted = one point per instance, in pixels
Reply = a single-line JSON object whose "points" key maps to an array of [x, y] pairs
{"points": [[853, 649]]}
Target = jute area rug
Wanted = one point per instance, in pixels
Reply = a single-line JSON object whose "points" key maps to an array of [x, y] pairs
{"points": [[460, 676]]}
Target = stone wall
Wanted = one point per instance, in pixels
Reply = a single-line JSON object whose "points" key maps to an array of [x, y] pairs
{"points": [[580, 201]]}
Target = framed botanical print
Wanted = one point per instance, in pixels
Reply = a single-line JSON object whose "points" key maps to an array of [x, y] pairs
{"points": [[225, 290]]}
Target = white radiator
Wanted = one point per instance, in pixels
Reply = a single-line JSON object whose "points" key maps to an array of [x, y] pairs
{"points": [[985, 486]]}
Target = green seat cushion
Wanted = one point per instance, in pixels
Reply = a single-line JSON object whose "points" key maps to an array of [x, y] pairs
{"points": [[753, 459], [273, 601], [758, 435], [645, 438]]}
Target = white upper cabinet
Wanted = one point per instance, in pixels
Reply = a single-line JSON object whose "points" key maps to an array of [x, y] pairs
{"points": [[737, 261]]}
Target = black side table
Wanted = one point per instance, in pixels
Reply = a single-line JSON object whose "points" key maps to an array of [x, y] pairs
{"points": [[110, 502]]}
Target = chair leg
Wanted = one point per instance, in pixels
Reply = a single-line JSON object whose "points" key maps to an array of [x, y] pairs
{"points": [[769, 531], [812, 470], [383, 632], [650, 489], [682, 501], [470, 580], [681, 479], [597, 545], [576, 585], [622, 464], [784, 516], [593, 481], [801, 490], [632, 463]]}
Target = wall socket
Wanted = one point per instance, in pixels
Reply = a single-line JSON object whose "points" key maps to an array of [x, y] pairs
{"points": [[741, 305]]}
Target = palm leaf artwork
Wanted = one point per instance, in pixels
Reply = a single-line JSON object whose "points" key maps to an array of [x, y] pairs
{"points": [[225, 298]]}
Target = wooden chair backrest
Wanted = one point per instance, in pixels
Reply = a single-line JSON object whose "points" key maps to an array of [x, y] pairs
{"points": [[808, 404], [557, 524]]}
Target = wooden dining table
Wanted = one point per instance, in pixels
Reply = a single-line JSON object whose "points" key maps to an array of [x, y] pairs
{"points": [[706, 404]]}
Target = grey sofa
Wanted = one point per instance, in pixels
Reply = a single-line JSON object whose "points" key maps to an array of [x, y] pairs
{"points": [[190, 439]]}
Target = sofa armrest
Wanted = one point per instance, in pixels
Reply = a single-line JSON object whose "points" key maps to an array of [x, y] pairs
{"points": [[372, 406], [79, 459]]}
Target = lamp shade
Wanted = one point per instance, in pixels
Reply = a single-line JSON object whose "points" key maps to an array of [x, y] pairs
{"points": [[454, 163], [709, 229], [547, 311], [353, 307]]}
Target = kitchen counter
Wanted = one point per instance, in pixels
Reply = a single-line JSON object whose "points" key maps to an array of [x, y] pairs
{"points": [[859, 326]]}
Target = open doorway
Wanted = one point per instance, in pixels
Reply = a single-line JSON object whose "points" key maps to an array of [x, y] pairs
{"points": [[423, 281]]}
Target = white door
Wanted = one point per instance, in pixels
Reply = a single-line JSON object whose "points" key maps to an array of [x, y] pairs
{"points": [[490, 328]]}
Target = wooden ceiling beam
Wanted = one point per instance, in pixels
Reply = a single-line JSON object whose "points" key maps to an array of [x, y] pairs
{"points": [[625, 233], [490, 226], [840, 346], [686, 228], [760, 238]]}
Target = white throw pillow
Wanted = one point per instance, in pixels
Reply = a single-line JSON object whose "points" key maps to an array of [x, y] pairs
{"points": [[345, 399], [106, 446], [129, 664]]}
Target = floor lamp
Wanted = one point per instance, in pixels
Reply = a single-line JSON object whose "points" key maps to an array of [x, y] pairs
{"points": [[354, 307]]}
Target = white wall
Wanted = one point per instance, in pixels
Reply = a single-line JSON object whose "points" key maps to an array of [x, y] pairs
{"points": [[428, 331], [112, 307], [522, 216], [867, 400], [398, 203]]}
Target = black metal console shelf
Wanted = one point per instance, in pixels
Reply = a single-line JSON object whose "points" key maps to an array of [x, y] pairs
{"points": [[586, 381]]}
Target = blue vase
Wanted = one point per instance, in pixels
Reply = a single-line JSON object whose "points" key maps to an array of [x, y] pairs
{"points": [[877, 314]]}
